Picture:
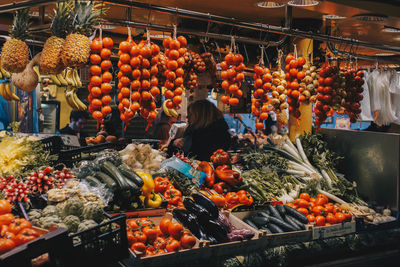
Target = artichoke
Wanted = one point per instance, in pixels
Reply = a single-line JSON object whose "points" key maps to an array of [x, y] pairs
{"points": [[34, 214], [86, 224], [73, 206], [72, 222], [49, 211], [46, 222], [92, 211]]}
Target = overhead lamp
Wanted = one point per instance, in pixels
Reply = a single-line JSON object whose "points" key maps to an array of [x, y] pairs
{"points": [[390, 29], [333, 17], [370, 17], [303, 3], [269, 4]]}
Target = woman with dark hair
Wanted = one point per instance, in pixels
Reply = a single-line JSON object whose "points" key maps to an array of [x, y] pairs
{"points": [[207, 131]]}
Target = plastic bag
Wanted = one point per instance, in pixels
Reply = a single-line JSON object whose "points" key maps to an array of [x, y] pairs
{"points": [[110, 155]]}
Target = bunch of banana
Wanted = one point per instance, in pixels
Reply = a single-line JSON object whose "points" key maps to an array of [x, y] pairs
{"points": [[4, 74], [73, 100], [170, 112], [68, 77], [7, 93]]}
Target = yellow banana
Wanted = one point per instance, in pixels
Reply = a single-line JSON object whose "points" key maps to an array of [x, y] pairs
{"points": [[55, 80], [77, 79], [68, 97], [36, 69], [12, 90], [5, 93], [165, 109], [2, 93], [78, 102], [60, 77], [69, 78], [1, 75], [5, 73], [173, 113]]}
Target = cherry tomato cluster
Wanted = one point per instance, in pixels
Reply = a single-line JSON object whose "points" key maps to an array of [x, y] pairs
{"points": [[211, 66], [138, 84], [294, 75], [194, 65], [185, 159], [147, 239], [175, 50], [329, 84], [164, 186], [262, 84], [100, 78], [232, 76], [319, 210], [354, 89]]}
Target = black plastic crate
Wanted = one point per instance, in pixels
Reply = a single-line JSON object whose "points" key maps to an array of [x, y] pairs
{"points": [[72, 156], [104, 243], [152, 142], [54, 244]]}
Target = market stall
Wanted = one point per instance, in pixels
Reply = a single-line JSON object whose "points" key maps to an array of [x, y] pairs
{"points": [[148, 172]]}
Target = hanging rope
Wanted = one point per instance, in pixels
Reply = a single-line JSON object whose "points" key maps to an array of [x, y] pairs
{"points": [[261, 61], [174, 33]]}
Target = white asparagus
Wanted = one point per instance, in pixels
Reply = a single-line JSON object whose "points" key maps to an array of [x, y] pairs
{"points": [[301, 151], [332, 197], [293, 147]]}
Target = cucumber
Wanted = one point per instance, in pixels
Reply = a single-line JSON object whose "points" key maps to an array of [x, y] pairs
{"points": [[250, 223], [110, 169], [262, 213], [274, 212], [283, 225], [93, 181], [260, 220], [281, 210], [290, 221], [132, 176], [275, 229], [133, 187], [301, 225], [295, 214], [107, 180]]}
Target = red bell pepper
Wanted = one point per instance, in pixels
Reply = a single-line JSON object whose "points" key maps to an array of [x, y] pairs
{"points": [[245, 198], [220, 157], [232, 198], [173, 196], [221, 187], [206, 167], [161, 184], [227, 175]]}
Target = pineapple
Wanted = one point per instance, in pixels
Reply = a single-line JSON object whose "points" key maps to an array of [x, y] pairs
{"points": [[15, 52], [76, 48], [50, 61]]}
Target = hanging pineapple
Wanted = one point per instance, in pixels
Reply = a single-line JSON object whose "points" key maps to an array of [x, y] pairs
{"points": [[15, 52], [76, 48], [50, 61]]}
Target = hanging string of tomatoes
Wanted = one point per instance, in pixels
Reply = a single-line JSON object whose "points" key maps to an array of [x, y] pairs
{"points": [[126, 108], [294, 75], [175, 49], [354, 89], [100, 78], [194, 65], [262, 85], [232, 75]]}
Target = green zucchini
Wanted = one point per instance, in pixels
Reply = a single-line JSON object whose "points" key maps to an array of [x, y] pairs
{"points": [[281, 210], [110, 169], [249, 222], [93, 181], [260, 220], [290, 221], [133, 187], [295, 214], [107, 180], [301, 225], [132, 176], [283, 225]]}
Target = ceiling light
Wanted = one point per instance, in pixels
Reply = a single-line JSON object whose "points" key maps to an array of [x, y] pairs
{"points": [[269, 4], [303, 3], [384, 54], [390, 29], [333, 17], [371, 17]]}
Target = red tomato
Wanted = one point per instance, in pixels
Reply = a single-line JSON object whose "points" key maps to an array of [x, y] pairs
{"points": [[305, 196], [319, 210], [304, 211], [311, 218], [320, 220], [330, 218], [303, 203], [321, 201], [340, 217]]}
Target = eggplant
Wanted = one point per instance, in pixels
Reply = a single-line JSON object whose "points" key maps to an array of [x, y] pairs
{"points": [[297, 215], [274, 228], [301, 225], [281, 210], [190, 221], [196, 209], [260, 220], [206, 203], [249, 222], [215, 230], [262, 213], [290, 221]]}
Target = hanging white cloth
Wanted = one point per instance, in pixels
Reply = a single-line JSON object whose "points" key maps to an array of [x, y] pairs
{"points": [[366, 113]]}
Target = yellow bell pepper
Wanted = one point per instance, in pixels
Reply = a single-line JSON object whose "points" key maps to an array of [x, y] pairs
{"points": [[148, 186], [153, 200], [142, 198]]}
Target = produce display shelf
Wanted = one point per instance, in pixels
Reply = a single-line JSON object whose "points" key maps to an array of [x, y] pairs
{"points": [[335, 230]]}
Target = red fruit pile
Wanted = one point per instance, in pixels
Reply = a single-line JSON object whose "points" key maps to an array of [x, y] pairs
{"points": [[294, 75], [262, 85], [175, 50], [14, 190], [232, 76]]}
